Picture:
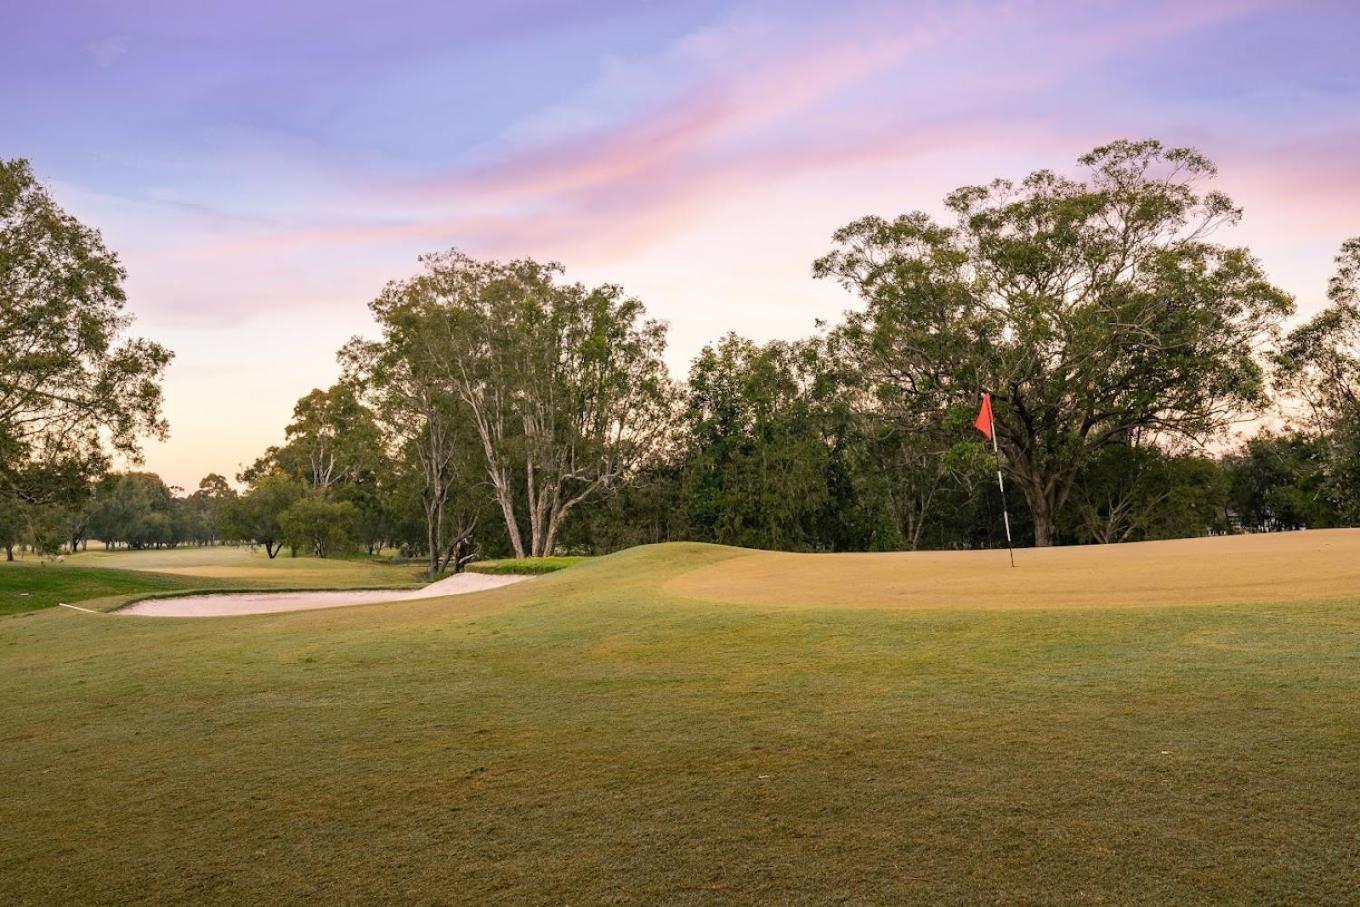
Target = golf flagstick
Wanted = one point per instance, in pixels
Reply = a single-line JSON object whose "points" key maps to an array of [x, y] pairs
{"points": [[990, 431]]}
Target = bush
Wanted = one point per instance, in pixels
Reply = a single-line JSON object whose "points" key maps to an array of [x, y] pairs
{"points": [[525, 565]]}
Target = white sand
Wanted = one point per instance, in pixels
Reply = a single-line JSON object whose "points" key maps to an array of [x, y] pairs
{"points": [[267, 602]]}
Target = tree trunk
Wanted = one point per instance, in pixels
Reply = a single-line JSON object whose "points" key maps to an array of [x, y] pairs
{"points": [[9, 552], [434, 528], [508, 511], [1041, 510]]}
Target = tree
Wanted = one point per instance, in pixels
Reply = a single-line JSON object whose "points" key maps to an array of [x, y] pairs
{"points": [[564, 385], [1279, 482], [1137, 492], [136, 509], [757, 462], [428, 432], [13, 524], [1319, 365], [205, 508], [254, 516], [332, 441], [70, 384], [319, 526], [1090, 308], [1320, 360]]}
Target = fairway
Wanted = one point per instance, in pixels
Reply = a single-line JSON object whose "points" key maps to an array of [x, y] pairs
{"points": [[252, 568], [603, 735]]}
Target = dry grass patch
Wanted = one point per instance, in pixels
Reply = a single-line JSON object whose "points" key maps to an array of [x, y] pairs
{"points": [[1319, 565]]}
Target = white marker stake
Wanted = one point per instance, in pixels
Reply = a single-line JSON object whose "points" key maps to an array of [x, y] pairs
{"points": [[1001, 483]]}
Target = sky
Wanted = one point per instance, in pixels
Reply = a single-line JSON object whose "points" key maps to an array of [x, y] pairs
{"points": [[263, 169]]}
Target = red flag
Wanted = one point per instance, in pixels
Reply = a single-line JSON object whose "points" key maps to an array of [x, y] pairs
{"points": [[983, 423]]}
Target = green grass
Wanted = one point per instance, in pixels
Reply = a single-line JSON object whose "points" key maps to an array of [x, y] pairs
{"points": [[533, 566], [29, 585], [589, 737], [254, 570], [113, 578]]}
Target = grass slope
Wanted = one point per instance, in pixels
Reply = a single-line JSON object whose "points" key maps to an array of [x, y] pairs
{"points": [[29, 585], [1279, 567], [596, 736]]}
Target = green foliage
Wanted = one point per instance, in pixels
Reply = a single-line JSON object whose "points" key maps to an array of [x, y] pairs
{"points": [[71, 385], [1280, 482], [563, 385], [531, 566], [254, 516], [320, 527], [1132, 492], [135, 509], [757, 464], [1090, 308]]}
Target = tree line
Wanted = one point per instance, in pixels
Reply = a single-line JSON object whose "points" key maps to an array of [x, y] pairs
{"points": [[505, 410]]}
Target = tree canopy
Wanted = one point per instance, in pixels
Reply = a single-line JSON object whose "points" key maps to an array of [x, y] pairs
{"points": [[72, 384], [1090, 308], [564, 384]]}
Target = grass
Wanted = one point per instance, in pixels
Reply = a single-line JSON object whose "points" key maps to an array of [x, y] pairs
{"points": [[600, 736], [253, 569], [533, 566], [30, 585]]}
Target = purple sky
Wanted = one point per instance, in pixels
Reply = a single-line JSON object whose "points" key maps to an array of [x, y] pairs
{"points": [[264, 168]]}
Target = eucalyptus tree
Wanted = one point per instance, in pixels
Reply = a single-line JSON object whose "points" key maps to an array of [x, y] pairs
{"points": [[1320, 365], [564, 385], [1320, 361], [1089, 307], [425, 431], [72, 385], [255, 515]]}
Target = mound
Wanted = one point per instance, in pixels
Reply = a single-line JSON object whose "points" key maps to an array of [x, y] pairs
{"points": [[1319, 565]]}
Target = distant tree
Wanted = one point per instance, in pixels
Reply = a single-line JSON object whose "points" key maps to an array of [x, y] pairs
{"points": [[564, 385], [319, 526], [70, 386], [1090, 308], [1137, 492], [13, 524], [136, 509], [203, 509], [255, 515], [332, 441], [1279, 482], [1320, 366], [757, 462], [1320, 360]]}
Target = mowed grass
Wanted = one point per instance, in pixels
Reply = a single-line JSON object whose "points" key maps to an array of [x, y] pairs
{"points": [[253, 569], [31, 584], [596, 736], [1278, 567]]}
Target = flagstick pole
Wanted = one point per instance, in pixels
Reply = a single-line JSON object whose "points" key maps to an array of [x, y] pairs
{"points": [[1001, 484]]}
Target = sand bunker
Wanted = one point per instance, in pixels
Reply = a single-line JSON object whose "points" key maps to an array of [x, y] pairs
{"points": [[235, 603]]}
